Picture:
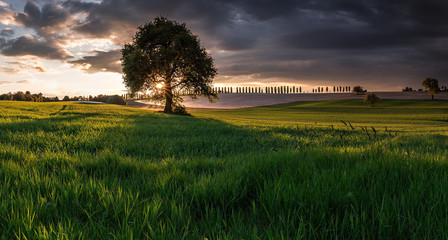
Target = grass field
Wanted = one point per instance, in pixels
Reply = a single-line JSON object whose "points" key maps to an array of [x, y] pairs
{"points": [[293, 171]]}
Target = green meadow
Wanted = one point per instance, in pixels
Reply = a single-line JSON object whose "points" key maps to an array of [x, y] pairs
{"points": [[307, 170]]}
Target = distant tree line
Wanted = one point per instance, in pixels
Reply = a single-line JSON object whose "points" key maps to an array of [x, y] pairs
{"points": [[272, 90], [431, 86], [358, 90], [28, 96], [409, 89], [112, 99]]}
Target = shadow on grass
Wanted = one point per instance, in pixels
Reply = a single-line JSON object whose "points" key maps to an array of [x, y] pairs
{"points": [[168, 176]]}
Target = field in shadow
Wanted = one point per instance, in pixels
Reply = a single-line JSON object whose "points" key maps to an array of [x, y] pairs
{"points": [[109, 172]]}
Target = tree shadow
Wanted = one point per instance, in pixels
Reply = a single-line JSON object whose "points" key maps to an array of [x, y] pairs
{"points": [[210, 169], [60, 110]]}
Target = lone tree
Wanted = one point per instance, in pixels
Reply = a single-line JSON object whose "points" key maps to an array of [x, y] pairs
{"points": [[358, 90], [371, 98], [166, 58], [432, 85]]}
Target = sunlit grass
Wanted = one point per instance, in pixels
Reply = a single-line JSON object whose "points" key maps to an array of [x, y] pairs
{"points": [[291, 171]]}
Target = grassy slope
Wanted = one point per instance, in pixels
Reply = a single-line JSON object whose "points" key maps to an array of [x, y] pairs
{"points": [[97, 171], [401, 114]]}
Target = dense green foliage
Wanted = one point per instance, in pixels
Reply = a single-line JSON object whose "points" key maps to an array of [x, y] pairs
{"points": [[27, 96], [166, 58], [113, 99], [81, 171], [358, 90], [371, 98], [432, 85]]}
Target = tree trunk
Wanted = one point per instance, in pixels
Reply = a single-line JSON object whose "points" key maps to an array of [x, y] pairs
{"points": [[168, 98]]}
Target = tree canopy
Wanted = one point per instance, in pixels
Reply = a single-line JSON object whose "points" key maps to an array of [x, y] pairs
{"points": [[166, 58], [358, 90], [432, 85], [371, 98]]}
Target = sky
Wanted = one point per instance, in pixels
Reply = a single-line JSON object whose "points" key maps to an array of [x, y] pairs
{"points": [[72, 47]]}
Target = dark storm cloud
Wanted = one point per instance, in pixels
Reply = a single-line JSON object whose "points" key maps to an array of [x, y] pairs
{"points": [[104, 19], [268, 9], [7, 32], [342, 25], [309, 20], [100, 62], [30, 45], [307, 41], [378, 42], [51, 18], [315, 42], [118, 19]]}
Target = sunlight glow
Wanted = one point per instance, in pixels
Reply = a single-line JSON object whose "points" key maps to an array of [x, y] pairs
{"points": [[160, 85]]}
